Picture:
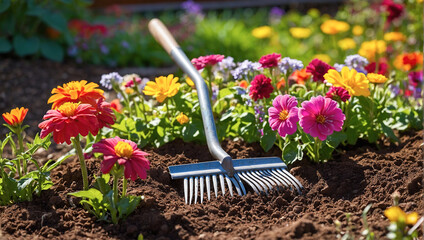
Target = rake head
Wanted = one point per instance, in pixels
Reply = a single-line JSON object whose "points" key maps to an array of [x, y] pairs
{"points": [[263, 175]]}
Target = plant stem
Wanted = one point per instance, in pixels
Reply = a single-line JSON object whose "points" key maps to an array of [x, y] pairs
{"points": [[124, 187], [210, 83], [115, 189], [317, 147], [21, 150], [77, 145]]}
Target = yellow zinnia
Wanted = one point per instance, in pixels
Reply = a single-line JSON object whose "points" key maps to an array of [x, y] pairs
{"points": [[357, 30], [355, 83], [376, 78], [333, 26], [394, 36], [347, 43], [262, 32], [395, 214], [162, 87], [370, 48], [182, 118], [298, 32], [189, 82]]}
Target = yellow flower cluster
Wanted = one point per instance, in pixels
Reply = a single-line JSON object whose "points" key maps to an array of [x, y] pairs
{"points": [[394, 36], [357, 30], [355, 83], [262, 32], [333, 26], [370, 49], [182, 118], [347, 43], [298, 32], [395, 214]]}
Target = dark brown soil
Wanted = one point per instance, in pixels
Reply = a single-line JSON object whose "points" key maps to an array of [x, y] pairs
{"points": [[356, 178]]}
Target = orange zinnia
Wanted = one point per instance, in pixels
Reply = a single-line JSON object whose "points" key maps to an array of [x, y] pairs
{"points": [[15, 117], [76, 92], [301, 76]]}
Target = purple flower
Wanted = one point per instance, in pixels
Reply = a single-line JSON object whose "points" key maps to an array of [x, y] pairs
{"points": [[191, 7], [289, 65], [215, 91], [339, 67], [356, 62], [107, 80], [283, 116], [104, 49], [72, 50], [320, 117], [226, 64], [415, 78], [244, 68], [125, 44], [276, 12]]}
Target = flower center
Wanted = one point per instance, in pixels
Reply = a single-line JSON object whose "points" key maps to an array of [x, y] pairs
{"points": [[68, 109], [283, 115], [320, 119], [123, 149]]}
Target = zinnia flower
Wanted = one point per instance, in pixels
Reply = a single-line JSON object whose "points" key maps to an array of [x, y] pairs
{"points": [[320, 117], [204, 61], [260, 87], [124, 152], [382, 67], [162, 87], [370, 49], [262, 32], [270, 60], [69, 120], [408, 61], [376, 78], [357, 30], [76, 92], [15, 117], [104, 113], [415, 78], [318, 68], [116, 104], [332, 27], [355, 83], [395, 214], [283, 116], [244, 84], [394, 36], [301, 76], [182, 118], [298, 32], [338, 94], [395, 10], [346, 43]]}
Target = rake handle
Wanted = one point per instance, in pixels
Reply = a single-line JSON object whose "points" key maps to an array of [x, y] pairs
{"points": [[164, 38]]}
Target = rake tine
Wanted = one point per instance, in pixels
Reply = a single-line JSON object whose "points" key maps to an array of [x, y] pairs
{"points": [[230, 185], [191, 189], [287, 176], [276, 178], [254, 178], [293, 179], [186, 190], [221, 180], [262, 179], [253, 181], [251, 184], [270, 179], [234, 181], [196, 189], [208, 186], [238, 180], [281, 178], [202, 186], [215, 185]]}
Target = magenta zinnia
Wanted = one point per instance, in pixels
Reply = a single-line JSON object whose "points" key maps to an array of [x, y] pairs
{"points": [[105, 114], [320, 117], [270, 60], [284, 115], [69, 120], [204, 61], [260, 87], [124, 152], [338, 94], [318, 68]]}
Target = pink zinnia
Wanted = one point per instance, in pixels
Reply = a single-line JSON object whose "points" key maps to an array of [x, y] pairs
{"points": [[69, 120], [270, 60], [260, 87], [320, 117], [318, 69], [124, 152], [105, 114], [395, 10], [284, 115], [338, 93], [204, 61]]}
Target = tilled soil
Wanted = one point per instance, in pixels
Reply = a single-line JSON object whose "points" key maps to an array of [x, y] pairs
{"points": [[357, 176]]}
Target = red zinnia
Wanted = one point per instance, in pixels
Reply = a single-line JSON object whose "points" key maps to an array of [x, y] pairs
{"points": [[395, 10], [124, 152], [260, 87], [270, 60], [318, 69], [337, 94], [204, 61], [105, 114], [382, 68], [69, 120]]}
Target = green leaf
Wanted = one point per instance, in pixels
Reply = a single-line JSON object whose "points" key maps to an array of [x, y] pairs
{"points": [[389, 132], [5, 45], [91, 193], [352, 135], [268, 139], [336, 138], [290, 152], [52, 50], [4, 5], [127, 205], [55, 20], [25, 46]]}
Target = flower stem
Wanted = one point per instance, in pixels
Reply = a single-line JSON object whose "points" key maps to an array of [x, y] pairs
{"points": [[317, 147], [77, 145], [124, 187], [21, 150], [115, 189], [210, 83]]}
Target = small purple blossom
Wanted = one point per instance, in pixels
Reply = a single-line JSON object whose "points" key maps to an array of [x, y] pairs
{"points": [[215, 91], [357, 62], [415, 78], [108, 79], [276, 12], [226, 64], [125, 44], [104, 49], [289, 65], [244, 68], [73, 50], [339, 67], [191, 7]]}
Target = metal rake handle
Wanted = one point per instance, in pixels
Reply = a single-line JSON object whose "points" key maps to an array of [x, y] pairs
{"points": [[164, 37]]}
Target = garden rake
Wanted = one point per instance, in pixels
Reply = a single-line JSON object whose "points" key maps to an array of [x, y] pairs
{"points": [[261, 174]]}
